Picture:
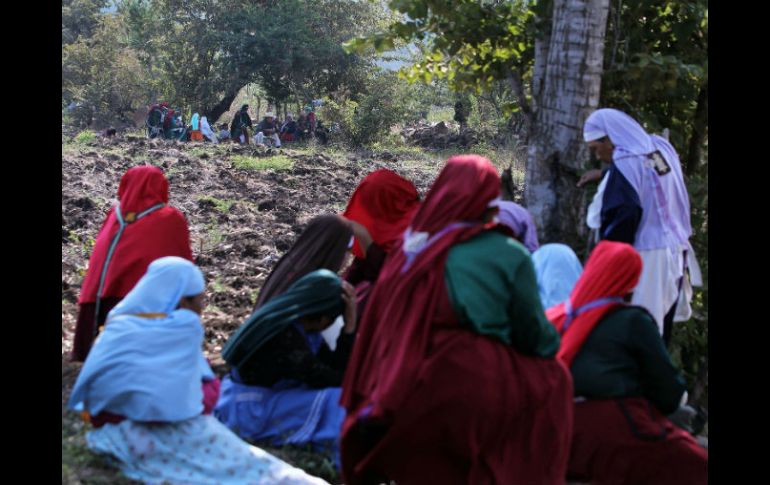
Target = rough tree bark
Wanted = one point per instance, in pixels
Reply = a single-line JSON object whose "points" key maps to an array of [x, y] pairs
{"points": [[566, 88], [221, 107]]}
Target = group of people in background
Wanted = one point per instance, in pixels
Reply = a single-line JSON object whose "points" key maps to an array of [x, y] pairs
{"points": [[166, 122], [271, 130]]}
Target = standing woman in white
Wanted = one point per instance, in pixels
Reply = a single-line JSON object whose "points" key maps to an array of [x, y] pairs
{"points": [[645, 203]]}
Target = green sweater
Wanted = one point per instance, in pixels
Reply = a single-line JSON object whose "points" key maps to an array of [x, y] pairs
{"points": [[492, 287], [624, 356]]}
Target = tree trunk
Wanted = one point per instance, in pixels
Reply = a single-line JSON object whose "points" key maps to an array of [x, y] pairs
{"points": [[566, 91], [699, 129], [221, 107]]}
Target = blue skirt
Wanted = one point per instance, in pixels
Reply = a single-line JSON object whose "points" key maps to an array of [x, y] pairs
{"points": [[287, 413]]}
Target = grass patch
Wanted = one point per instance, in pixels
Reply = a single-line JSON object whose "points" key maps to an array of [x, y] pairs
{"points": [[276, 162], [217, 286], [71, 148], [80, 465], [220, 205], [215, 235], [197, 152], [300, 148], [172, 171], [211, 238], [85, 137], [500, 157], [314, 462], [398, 149]]}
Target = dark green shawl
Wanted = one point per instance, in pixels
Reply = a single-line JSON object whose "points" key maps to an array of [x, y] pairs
{"points": [[315, 294]]}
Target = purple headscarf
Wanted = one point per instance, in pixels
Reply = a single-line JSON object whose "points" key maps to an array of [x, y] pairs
{"points": [[521, 223]]}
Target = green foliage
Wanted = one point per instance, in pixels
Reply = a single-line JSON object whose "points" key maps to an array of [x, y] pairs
{"points": [[690, 339], [474, 48], [85, 137], [276, 162], [79, 18], [471, 44], [656, 55], [198, 54], [293, 46], [220, 205], [656, 63], [290, 47], [339, 112], [388, 101], [102, 76]]}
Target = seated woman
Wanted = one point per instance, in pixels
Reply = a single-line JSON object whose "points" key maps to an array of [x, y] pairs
{"points": [[284, 383], [384, 204], [196, 133], [557, 268], [520, 221], [289, 129], [224, 133], [142, 227], [146, 382], [207, 131], [304, 130], [624, 381], [453, 377]]}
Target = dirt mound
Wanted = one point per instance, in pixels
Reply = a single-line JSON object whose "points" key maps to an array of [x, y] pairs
{"points": [[439, 135]]}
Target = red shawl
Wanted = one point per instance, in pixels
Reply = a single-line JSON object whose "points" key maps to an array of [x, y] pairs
{"points": [[611, 273], [384, 203], [145, 237], [392, 338]]}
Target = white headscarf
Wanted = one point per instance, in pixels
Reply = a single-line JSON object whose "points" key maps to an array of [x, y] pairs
{"points": [[625, 133], [665, 203], [207, 131]]}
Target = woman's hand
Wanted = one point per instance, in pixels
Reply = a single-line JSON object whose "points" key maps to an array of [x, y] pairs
{"points": [[350, 314], [593, 175]]}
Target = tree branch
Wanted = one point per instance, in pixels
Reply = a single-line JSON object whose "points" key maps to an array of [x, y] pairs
{"points": [[518, 87]]}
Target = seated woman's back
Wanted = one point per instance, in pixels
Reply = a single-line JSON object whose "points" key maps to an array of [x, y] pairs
{"points": [[624, 356], [146, 370], [625, 379], [147, 365], [141, 228], [490, 280]]}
